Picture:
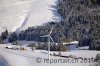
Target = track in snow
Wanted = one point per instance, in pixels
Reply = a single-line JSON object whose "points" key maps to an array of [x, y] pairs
{"points": [[42, 11]]}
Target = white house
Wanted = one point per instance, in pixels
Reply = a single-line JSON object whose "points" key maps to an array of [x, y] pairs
{"points": [[71, 45]]}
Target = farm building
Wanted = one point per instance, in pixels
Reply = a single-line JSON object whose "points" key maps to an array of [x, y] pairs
{"points": [[71, 45]]}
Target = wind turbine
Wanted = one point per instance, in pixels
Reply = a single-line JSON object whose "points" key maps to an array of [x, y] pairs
{"points": [[49, 38]]}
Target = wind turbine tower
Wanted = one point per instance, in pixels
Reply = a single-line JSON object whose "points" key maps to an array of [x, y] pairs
{"points": [[49, 40]]}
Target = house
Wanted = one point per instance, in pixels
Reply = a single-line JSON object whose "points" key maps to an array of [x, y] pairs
{"points": [[71, 45]]}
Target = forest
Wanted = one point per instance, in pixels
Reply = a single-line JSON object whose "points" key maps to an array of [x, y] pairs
{"points": [[80, 22]]}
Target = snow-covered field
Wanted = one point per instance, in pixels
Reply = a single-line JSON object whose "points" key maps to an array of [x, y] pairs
{"points": [[28, 58], [21, 14], [13, 13], [42, 12]]}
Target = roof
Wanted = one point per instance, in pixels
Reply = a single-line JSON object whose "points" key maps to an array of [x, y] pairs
{"points": [[68, 43]]}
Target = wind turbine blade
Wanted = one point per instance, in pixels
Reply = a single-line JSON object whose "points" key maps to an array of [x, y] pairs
{"points": [[45, 36], [51, 30], [51, 39]]}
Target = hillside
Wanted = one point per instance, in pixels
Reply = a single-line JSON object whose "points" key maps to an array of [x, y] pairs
{"points": [[82, 18], [80, 22], [41, 12], [13, 13], [18, 15]]}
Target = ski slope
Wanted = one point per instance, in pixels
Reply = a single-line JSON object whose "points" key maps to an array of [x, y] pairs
{"points": [[42, 11], [21, 14]]}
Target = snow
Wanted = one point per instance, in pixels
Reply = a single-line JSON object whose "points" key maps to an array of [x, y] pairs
{"points": [[24, 42], [69, 43], [43, 11], [74, 42], [21, 14], [83, 48], [26, 58], [13, 13]]}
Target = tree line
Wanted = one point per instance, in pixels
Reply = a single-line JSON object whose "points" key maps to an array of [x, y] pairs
{"points": [[80, 22]]}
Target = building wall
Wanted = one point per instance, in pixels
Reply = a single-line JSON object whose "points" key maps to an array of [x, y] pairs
{"points": [[71, 47]]}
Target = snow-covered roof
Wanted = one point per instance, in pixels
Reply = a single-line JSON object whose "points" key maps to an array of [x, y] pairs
{"points": [[68, 43], [83, 48], [74, 42]]}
